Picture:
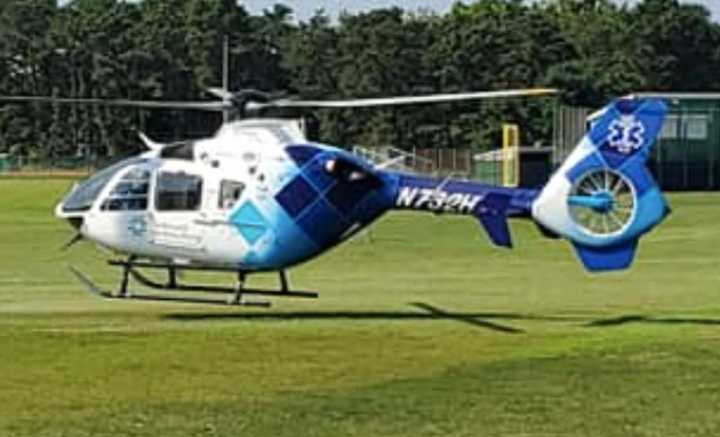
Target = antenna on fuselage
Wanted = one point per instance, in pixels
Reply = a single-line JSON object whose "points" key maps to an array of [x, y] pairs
{"points": [[150, 144]]}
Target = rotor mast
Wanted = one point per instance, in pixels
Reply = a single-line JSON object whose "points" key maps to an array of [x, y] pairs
{"points": [[226, 73]]}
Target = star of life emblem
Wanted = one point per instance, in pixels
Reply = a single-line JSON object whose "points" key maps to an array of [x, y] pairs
{"points": [[626, 135]]}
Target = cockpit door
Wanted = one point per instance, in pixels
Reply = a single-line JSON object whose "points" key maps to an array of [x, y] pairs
{"points": [[178, 205], [222, 197]]}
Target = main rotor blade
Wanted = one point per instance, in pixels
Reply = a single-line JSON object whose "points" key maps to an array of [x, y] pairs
{"points": [[153, 104], [256, 100], [408, 100], [220, 93]]}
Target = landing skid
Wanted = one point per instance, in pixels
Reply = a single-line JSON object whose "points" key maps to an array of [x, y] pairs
{"points": [[237, 294]]}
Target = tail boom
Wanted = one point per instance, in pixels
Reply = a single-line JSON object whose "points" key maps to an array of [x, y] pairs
{"points": [[491, 205], [602, 199]]}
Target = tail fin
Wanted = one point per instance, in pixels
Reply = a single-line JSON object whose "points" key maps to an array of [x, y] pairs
{"points": [[603, 198], [492, 213]]}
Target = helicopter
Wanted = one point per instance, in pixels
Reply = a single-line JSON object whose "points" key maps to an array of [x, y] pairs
{"points": [[258, 196]]}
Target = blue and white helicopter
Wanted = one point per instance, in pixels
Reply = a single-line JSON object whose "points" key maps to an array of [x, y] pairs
{"points": [[259, 197]]}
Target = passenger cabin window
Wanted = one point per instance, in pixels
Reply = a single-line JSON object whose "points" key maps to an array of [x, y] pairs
{"points": [[178, 192], [130, 193], [230, 192]]}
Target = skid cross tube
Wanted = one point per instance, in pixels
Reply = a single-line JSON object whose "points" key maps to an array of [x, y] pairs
{"points": [[124, 292], [283, 282], [237, 298], [172, 277]]}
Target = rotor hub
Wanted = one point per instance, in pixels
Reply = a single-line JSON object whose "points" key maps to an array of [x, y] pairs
{"points": [[602, 202]]}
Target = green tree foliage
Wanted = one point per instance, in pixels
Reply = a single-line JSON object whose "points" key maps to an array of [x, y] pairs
{"points": [[496, 44], [172, 49], [684, 44]]}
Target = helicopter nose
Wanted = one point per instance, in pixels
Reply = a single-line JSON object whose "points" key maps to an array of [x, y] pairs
{"points": [[76, 222], [76, 219]]}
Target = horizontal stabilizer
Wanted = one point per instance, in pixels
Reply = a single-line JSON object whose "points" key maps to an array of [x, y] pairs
{"points": [[602, 259], [492, 213]]}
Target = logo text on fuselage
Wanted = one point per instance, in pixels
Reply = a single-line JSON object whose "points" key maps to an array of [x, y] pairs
{"points": [[432, 199]]}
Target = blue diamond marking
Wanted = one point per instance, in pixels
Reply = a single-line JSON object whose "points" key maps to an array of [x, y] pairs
{"points": [[249, 222]]}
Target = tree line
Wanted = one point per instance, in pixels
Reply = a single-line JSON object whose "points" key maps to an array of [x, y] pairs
{"points": [[592, 50]]}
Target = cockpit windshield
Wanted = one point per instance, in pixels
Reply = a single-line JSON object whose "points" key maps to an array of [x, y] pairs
{"points": [[83, 197]]}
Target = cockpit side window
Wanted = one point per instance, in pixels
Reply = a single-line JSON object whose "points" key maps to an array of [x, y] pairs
{"points": [[178, 192], [130, 193], [230, 192], [83, 197]]}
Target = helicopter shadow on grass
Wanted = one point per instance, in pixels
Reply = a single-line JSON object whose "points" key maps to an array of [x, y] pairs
{"points": [[629, 319], [428, 312], [432, 313]]}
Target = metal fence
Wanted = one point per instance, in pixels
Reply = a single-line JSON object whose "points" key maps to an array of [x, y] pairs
{"points": [[687, 156], [464, 164], [569, 126], [21, 165], [457, 163]]}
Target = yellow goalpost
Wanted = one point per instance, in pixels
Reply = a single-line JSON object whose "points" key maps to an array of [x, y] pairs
{"points": [[511, 155]]}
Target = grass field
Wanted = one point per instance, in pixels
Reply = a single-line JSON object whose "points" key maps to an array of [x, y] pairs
{"points": [[422, 329]]}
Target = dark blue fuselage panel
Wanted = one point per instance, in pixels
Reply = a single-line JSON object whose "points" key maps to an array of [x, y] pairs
{"points": [[329, 206], [335, 193]]}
